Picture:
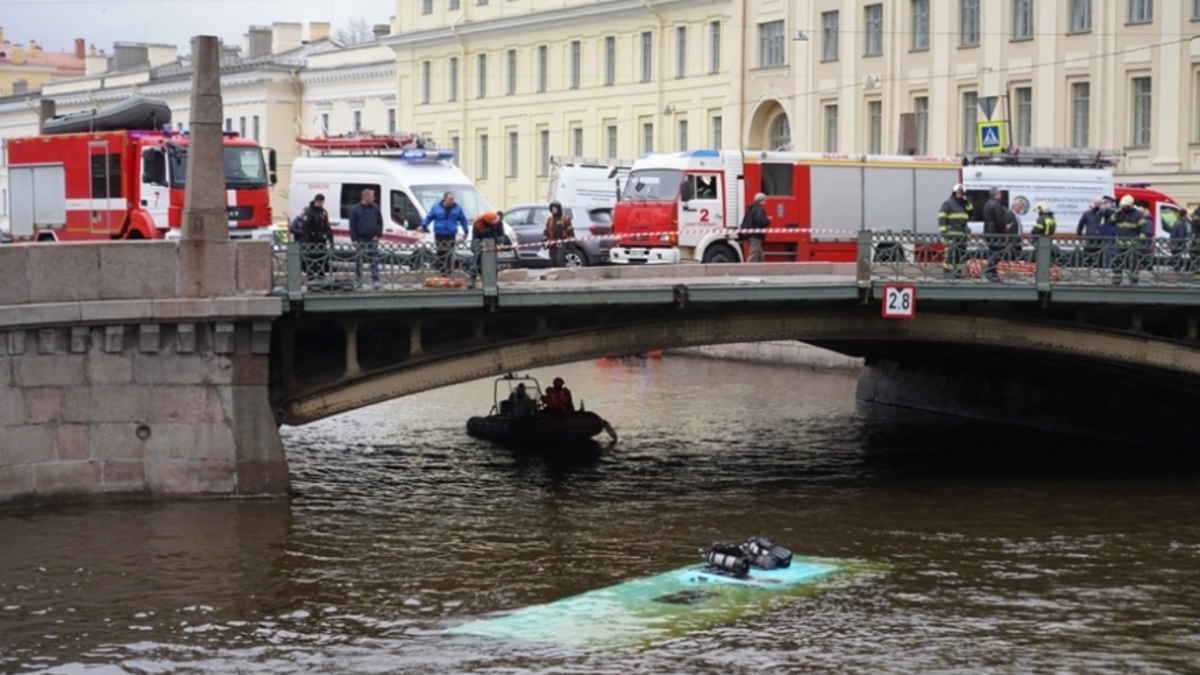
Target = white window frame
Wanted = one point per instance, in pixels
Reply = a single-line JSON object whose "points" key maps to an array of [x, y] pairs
{"points": [[452, 77], [576, 63], [921, 115], [1024, 123], [970, 117], [714, 48], [426, 81], [920, 25], [830, 31], [1081, 16], [514, 154], [873, 19], [511, 85], [481, 76], [1141, 11], [610, 133], [968, 23], [1022, 19], [391, 120], [543, 56], [770, 42], [717, 126], [680, 51], [544, 152], [831, 127], [482, 169], [1081, 114], [681, 135], [610, 61], [647, 137], [647, 43], [1143, 111], [875, 127], [577, 141]]}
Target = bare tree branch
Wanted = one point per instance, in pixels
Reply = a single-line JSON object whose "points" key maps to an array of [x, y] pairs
{"points": [[358, 32]]}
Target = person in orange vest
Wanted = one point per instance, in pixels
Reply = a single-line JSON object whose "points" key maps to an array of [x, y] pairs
{"points": [[559, 397]]}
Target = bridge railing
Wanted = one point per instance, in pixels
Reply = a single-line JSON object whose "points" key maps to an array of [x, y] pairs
{"points": [[303, 268], [1028, 261]]}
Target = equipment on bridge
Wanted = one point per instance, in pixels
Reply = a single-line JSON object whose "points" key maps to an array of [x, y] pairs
{"points": [[536, 425], [688, 206], [104, 175], [664, 606]]}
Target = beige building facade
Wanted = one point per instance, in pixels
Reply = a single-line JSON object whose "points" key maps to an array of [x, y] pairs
{"points": [[1119, 74], [508, 84]]}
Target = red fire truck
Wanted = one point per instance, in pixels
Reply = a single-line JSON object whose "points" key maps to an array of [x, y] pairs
{"points": [[122, 184], [687, 206]]}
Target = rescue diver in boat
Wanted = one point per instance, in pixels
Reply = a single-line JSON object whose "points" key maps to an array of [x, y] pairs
{"points": [[558, 397]]}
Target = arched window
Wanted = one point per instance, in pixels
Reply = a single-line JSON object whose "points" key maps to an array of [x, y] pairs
{"points": [[781, 134]]}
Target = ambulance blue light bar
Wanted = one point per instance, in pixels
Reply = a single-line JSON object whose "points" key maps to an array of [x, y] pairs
{"points": [[422, 155]]}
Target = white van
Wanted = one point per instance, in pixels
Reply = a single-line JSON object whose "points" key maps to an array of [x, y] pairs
{"points": [[1068, 191], [589, 182]]}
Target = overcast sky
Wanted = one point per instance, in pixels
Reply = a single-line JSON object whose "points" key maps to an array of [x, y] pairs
{"points": [[56, 23]]}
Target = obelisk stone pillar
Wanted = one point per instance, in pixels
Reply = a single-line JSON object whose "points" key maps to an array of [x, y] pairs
{"points": [[207, 255]]}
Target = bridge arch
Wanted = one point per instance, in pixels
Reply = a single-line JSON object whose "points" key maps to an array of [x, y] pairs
{"points": [[944, 341]]}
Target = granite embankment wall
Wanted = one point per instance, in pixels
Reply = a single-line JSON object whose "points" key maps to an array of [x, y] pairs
{"points": [[113, 384]]}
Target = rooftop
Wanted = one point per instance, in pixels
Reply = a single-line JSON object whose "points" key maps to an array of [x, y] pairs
{"points": [[33, 55]]}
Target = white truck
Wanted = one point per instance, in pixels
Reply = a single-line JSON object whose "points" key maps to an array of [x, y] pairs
{"points": [[590, 182]]}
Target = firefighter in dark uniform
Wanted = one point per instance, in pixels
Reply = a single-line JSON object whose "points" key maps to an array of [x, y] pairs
{"points": [[1132, 233], [1046, 225], [952, 223]]}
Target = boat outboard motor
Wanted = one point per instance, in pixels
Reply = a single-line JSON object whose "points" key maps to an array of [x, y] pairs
{"points": [[763, 554], [727, 558]]}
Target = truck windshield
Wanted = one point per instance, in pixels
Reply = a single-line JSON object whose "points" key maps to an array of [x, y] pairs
{"points": [[244, 168], [652, 185], [473, 204]]}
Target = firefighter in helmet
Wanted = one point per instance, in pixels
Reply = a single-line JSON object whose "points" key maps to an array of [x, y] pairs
{"points": [[1046, 225], [558, 397], [1133, 231], [952, 223]]}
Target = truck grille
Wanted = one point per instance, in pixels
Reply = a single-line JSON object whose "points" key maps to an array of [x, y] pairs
{"points": [[241, 212]]}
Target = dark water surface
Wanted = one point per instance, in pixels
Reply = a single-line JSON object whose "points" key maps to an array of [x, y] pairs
{"points": [[1004, 551]]}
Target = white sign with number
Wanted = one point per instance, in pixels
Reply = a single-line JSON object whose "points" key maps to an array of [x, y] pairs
{"points": [[899, 302]]}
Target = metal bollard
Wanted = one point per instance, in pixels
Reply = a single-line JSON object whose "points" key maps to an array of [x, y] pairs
{"points": [[488, 272]]}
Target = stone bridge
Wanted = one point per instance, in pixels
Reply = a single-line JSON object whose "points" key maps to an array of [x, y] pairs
{"points": [[116, 382]]}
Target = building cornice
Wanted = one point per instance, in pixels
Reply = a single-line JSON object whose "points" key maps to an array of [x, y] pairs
{"points": [[358, 95], [544, 20], [350, 73]]}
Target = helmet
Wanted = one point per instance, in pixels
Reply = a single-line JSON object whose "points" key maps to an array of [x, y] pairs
{"points": [[1127, 200], [959, 188], [490, 217], [558, 382], [1042, 206]]}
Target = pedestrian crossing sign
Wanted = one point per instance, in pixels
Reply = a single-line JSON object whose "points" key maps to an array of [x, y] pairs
{"points": [[989, 136]]}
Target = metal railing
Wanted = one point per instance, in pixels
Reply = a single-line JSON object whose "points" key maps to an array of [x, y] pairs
{"points": [[301, 268], [1006, 259]]}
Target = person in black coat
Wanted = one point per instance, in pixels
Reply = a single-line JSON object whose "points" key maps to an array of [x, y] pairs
{"points": [[316, 239], [995, 224]]}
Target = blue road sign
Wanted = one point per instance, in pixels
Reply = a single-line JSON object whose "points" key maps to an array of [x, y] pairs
{"points": [[989, 136]]}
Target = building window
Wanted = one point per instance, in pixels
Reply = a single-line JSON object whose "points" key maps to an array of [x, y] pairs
{"points": [[391, 120], [324, 124], [576, 63], [683, 135], [577, 142], [481, 76], [456, 148], [770, 40], [1081, 113], [1141, 112], [831, 128], [610, 61], [427, 6], [681, 51], [920, 25], [921, 108], [483, 157], [874, 30], [1024, 116], [254, 128], [454, 4], [511, 87], [647, 55], [1022, 19], [480, 3], [426, 81], [875, 127], [544, 152], [829, 36], [611, 134], [514, 148], [542, 67], [714, 49], [452, 77], [647, 137], [718, 139], [1196, 9], [970, 116], [1081, 16], [357, 121], [1141, 11], [781, 134], [242, 126], [968, 23]]}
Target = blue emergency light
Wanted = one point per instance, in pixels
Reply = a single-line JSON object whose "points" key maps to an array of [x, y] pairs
{"points": [[418, 155]]}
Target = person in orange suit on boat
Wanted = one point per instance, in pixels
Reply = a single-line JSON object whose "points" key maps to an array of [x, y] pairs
{"points": [[558, 397]]}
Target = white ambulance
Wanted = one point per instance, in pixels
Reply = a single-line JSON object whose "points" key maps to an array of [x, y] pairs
{"points": [[588, 182]]}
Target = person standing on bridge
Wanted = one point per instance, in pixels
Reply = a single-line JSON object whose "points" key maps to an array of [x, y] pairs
{"points": [[1046, 225], [756, 219], [487, 226], [559, 235], [1132, 233], [952, 223], [995, 226], [448, 219], [316, 237], [366, 227]]}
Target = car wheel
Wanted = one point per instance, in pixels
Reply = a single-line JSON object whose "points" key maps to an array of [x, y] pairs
{"points": [[575, 258]]}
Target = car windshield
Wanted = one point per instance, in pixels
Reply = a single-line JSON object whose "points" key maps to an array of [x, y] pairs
{"points": [[652, 185], [244, 168], [473, 204], [601, 216]]}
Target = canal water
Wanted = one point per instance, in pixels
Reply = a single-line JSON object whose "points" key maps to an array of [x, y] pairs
{"points": [[999, 551]]}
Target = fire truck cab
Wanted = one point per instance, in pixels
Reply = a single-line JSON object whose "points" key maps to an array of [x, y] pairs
{"points": [[687, 206], [126, 185]]}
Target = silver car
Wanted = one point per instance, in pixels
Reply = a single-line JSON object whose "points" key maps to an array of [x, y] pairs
{"points": [[592, 225]]}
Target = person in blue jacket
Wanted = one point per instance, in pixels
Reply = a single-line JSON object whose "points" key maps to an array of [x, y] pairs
{"points": [[447, 218]]}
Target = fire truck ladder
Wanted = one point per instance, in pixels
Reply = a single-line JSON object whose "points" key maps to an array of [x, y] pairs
{"points": [[1084, 158]]}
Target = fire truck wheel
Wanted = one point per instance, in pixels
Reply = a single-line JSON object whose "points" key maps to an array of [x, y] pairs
{"points": [[719, 253]]}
